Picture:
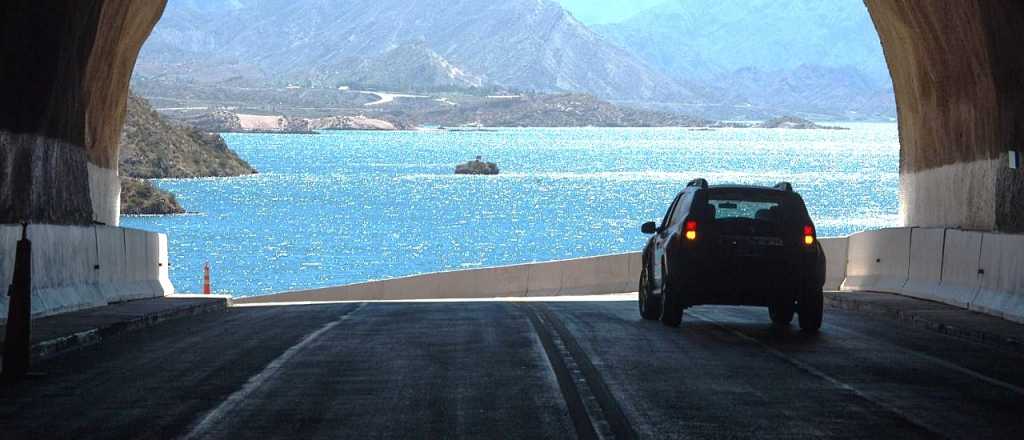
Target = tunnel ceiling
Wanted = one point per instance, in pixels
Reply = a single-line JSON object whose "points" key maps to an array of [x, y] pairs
{"points": [[956, 68]]}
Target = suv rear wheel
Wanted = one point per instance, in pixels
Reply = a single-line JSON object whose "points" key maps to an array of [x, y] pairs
{"points": [[671, 309], [811, 307], [650, 305]]}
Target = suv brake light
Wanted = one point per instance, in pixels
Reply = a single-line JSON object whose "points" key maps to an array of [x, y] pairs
{"points": [[808, 235], [691, 229]]}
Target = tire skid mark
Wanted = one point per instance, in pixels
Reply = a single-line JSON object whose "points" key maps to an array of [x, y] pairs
{"points": [[604, 417]]}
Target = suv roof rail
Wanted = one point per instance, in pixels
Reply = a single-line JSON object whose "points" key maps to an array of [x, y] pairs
{"points": [[701, 183], [784, 186]]}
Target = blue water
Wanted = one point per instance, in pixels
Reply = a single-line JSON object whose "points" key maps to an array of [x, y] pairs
{"points": [[344, 207]]}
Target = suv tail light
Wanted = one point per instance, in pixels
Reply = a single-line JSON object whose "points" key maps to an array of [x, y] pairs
{"points": [[691, 229], [808, 235]]}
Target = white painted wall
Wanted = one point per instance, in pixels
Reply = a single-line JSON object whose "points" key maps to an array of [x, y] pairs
{"points": [[961, 194], [105, 192], [78, 267]]}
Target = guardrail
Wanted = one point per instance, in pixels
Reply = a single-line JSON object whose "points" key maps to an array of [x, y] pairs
{"points": [[78, 267]]}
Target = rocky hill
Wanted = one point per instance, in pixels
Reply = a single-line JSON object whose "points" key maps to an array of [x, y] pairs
{"points": [[140, 197], [152, 147]]}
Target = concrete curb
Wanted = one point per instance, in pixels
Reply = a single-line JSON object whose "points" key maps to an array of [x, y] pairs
{"points": [[84, 338], [917, 317]]}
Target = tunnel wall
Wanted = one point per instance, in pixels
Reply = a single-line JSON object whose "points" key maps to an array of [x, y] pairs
{"points": [[958, 74], [64, 86], [79, 267]]}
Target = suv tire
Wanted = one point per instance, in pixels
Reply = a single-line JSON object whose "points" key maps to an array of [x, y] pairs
{"points": [[671, 309], [811, 308], [650, 305]]}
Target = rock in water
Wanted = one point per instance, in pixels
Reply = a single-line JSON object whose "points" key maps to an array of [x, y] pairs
{"points": [[477, 166]]}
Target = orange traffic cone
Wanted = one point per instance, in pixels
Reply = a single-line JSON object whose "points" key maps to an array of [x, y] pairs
{"points": [[206, 279]]}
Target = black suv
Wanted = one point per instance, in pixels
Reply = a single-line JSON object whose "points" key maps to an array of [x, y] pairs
{"points": [[734, 245]]}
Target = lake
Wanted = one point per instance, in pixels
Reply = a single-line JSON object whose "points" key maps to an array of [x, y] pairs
{"points": [[344, 207]]}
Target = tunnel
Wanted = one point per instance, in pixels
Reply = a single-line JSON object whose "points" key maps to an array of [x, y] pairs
{"points": [[957, 70]]}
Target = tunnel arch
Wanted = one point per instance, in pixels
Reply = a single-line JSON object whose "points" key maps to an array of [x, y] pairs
{"points": [[957, 72]]}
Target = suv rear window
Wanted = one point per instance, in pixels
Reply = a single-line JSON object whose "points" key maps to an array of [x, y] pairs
{"points": [[768, 206], [744, 209]]}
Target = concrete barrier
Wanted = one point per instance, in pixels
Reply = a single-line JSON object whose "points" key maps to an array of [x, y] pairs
{"points": [[589, 276], [961, 254], [585, 276], [925, 263], [1002, 277], [835, 258], [65, 269], [878, 261], [78, 267]]}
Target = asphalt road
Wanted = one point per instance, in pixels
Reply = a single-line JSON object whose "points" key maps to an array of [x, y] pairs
{"points": [[519, 370]]}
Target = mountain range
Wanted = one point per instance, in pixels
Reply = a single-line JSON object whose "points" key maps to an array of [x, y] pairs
{"points": [[731, 59], [530, 45]]}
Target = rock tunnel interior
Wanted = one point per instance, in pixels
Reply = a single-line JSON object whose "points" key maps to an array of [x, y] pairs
{"points": [[957, 70]]}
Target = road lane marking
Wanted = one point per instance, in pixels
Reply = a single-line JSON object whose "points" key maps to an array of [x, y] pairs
{"points": [[821, 375], [212, 418]]}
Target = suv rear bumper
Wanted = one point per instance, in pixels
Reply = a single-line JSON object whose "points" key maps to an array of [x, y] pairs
{"points": [[745, 281]]}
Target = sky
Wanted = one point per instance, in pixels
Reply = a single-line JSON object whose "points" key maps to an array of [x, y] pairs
{"points": [[606, 11]]}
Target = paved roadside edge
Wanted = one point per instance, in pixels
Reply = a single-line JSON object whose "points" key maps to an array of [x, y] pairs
{"points": [[841, 300], [54, 346]]}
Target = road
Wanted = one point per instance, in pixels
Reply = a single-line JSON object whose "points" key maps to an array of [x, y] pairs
{"points": [[584, 369]]}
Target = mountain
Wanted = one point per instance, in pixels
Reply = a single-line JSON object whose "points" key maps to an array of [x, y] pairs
{"points": [[810, 56], [528, 45]]}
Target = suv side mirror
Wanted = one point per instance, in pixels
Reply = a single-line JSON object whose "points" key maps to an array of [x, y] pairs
{"points": [[649, 228]]}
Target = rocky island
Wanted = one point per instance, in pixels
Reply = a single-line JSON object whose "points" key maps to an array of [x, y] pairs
{"points": [[153, 148], [793, 122], [477, 166]]}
